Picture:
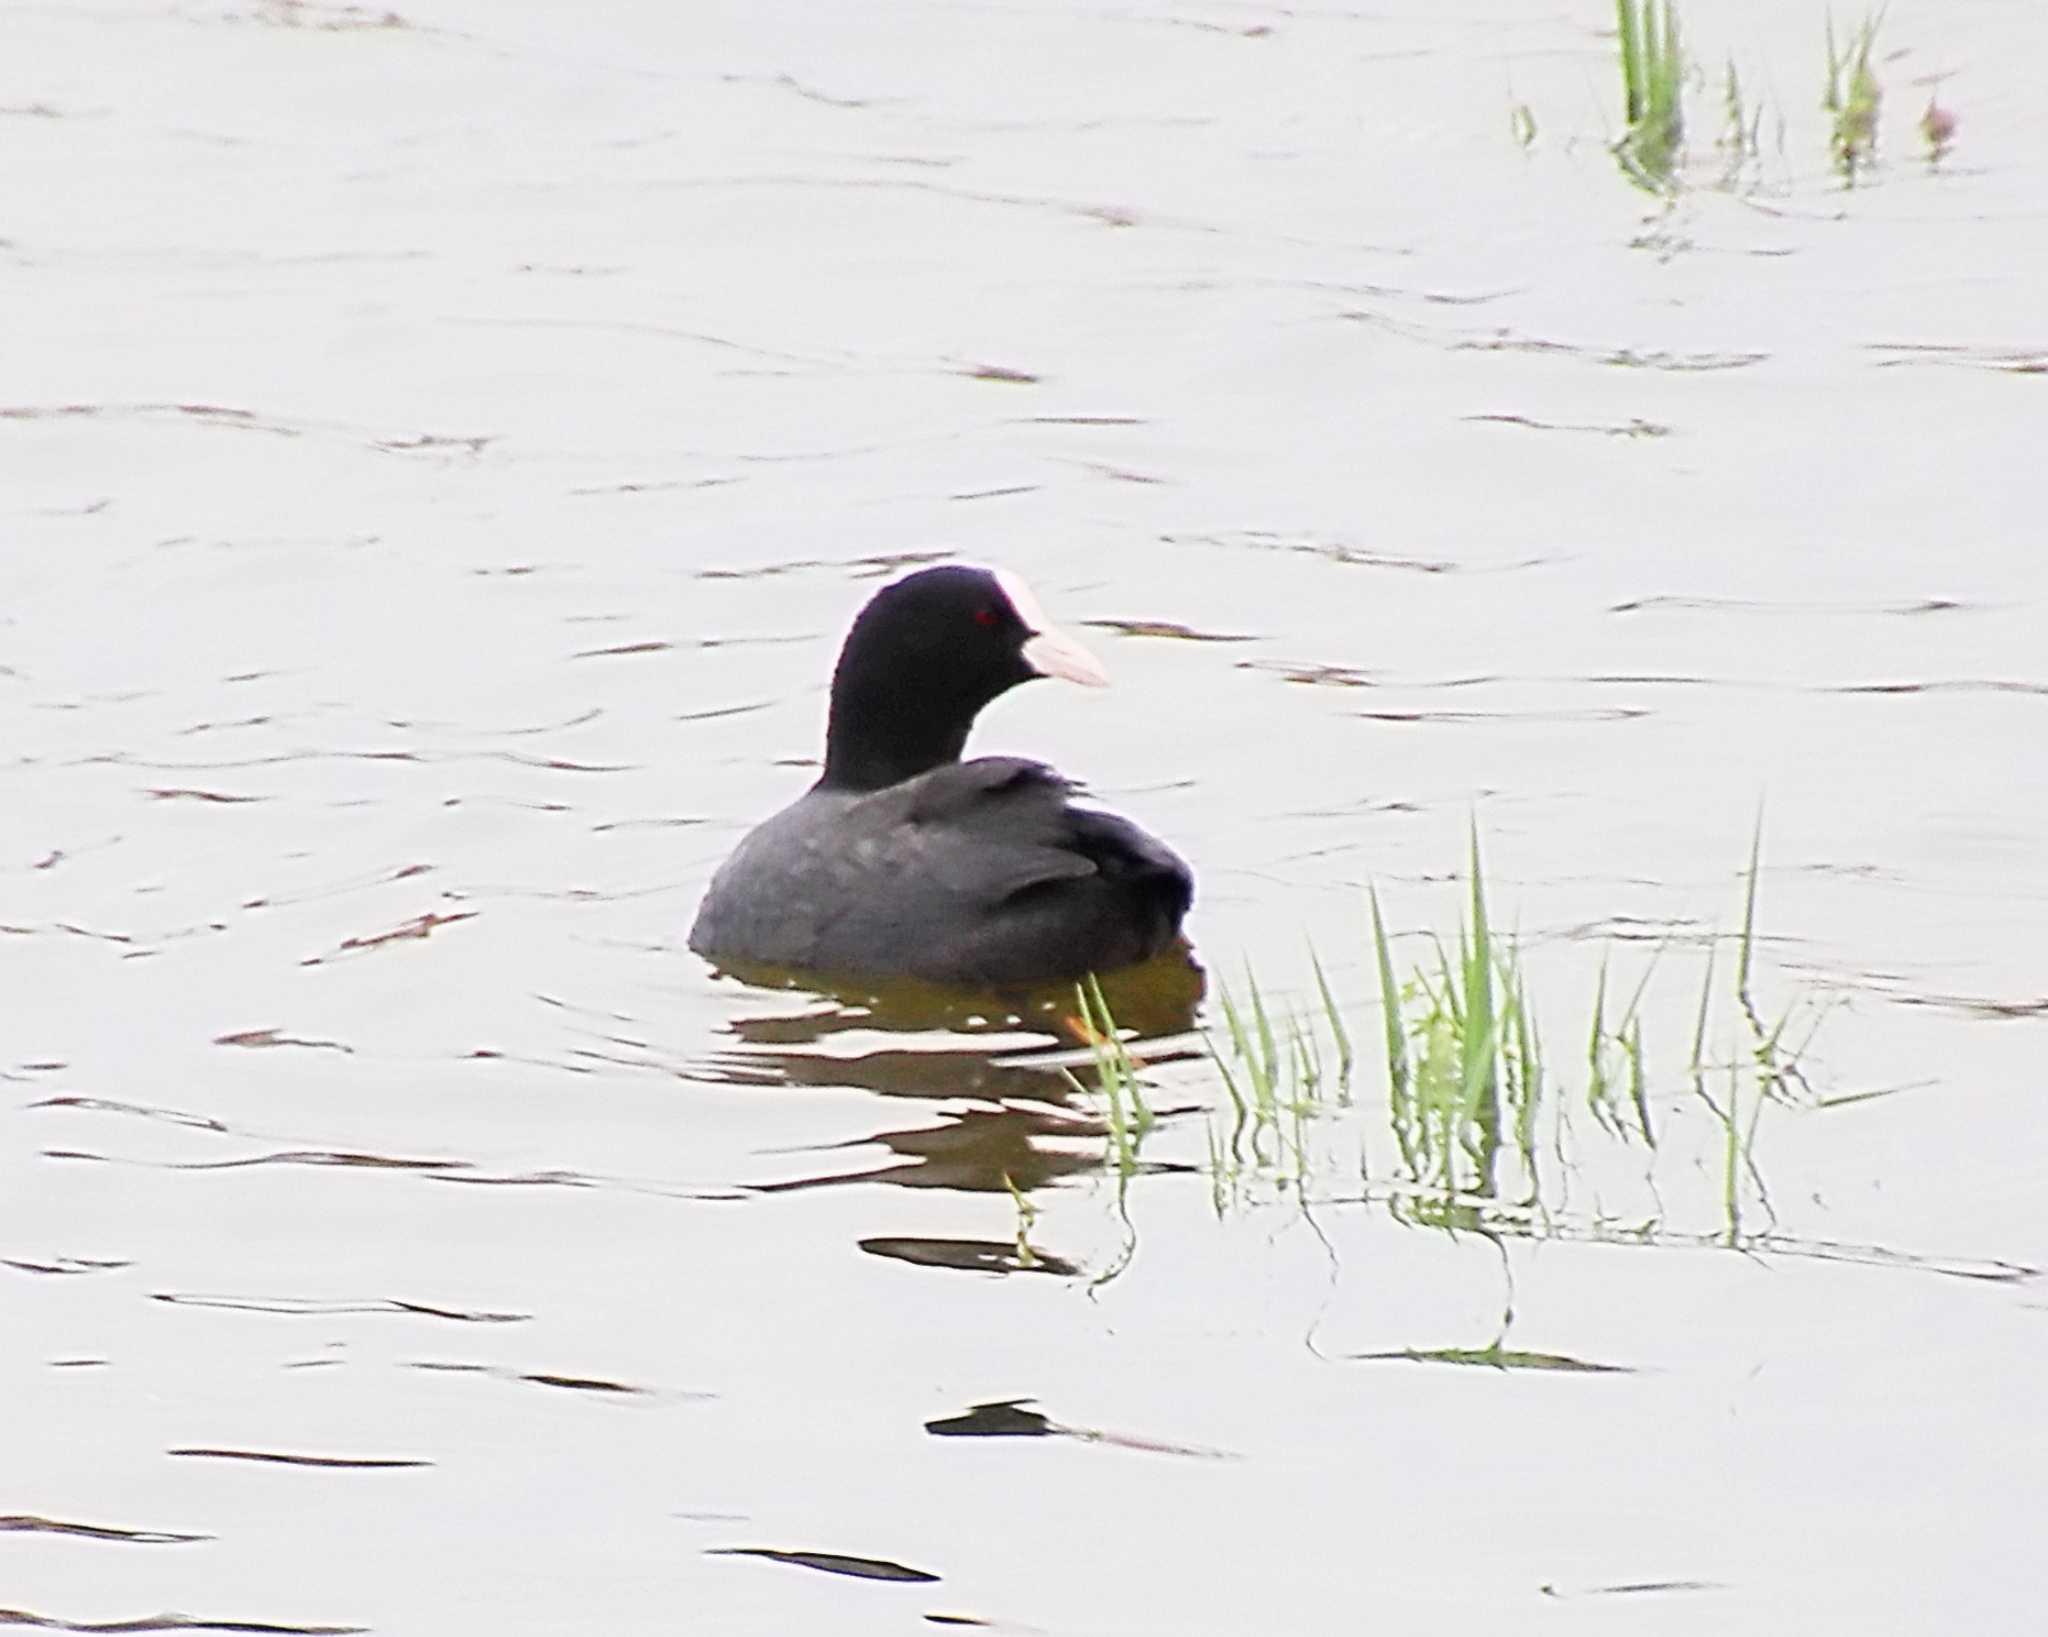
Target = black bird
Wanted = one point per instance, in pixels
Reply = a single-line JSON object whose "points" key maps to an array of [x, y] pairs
{"points": [[904, 861]]}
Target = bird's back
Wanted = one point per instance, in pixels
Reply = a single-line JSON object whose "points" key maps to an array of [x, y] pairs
{"points": [[978, 872]]}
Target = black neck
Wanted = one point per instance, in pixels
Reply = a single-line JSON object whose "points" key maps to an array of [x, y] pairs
{"points": [[883, 731]]}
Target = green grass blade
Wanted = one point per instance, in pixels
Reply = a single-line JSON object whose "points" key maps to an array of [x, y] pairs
{"points": [[1699, 1030], [1746, 944], [1482, 1026], [1631, 61], [1596, 1068], [1638, 1089], [1335, 1019], [1268, 1078]]}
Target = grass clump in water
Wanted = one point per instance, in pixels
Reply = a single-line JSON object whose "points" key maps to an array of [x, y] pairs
{"points": [[1481, 1132], [1485, 1137], [1740, 141], [1656, 71], [1759, 1062], [1464, 1071], [1277, 1077], [1853, 99], [1653, 82], [1126, 1111]]}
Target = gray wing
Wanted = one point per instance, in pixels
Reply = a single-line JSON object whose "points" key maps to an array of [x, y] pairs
{"points": [[985, 830]]}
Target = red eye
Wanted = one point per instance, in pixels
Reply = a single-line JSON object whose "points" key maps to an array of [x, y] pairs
{"points": [[985, 616]]}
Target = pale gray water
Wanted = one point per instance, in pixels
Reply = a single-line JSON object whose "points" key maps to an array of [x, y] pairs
{"points": [[439, 463]]}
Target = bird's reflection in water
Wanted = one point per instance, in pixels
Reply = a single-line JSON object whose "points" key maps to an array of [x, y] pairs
{"points": [[998, 1053]]}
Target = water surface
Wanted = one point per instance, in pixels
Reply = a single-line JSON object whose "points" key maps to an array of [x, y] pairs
{"points": [[442, 453]]}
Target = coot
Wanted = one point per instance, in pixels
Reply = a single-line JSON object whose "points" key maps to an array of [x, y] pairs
{"points": [[903, 860]]}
